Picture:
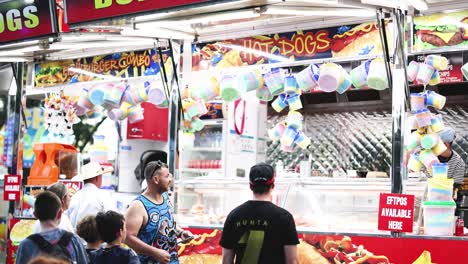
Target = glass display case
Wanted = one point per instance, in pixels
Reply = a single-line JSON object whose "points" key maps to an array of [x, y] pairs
{"points": [[317, 203], [203, 154]]}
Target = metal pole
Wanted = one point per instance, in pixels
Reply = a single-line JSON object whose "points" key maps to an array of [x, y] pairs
{"points": [[18, 75], [383, 39]]}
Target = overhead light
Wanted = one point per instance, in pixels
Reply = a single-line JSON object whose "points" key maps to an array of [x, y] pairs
{"points": [[420, 5], [382, 3], [206, 18], [306, 11]]}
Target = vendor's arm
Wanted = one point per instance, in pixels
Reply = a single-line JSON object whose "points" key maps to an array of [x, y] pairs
{"points": [[134, 220], [228, 256], [290, 253]]}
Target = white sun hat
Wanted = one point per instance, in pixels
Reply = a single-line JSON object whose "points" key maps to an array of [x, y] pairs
{"points": [[93, 169]]}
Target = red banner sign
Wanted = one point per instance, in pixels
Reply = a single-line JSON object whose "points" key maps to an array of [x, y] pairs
{"points": [[12, 188], [23, 19], [396, 212], [81, 11]]}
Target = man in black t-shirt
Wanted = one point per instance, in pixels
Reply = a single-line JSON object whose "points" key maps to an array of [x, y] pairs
{"points": [[258, 231]]}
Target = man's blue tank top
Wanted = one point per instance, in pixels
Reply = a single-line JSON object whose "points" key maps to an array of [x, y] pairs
{"points": [[160, 230]]}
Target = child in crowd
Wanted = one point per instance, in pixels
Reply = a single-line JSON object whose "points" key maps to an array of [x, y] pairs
{"points": [[87, 230], [111, 227]]}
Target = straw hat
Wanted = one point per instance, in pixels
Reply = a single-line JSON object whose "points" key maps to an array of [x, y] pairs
{"points": [[93, 169]]}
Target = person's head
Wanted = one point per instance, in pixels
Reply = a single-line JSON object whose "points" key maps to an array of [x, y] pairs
{"points": [[262, 178], [47, 260], [447, 135], [88, 230], [92, 173], [61, 190], [48, 207], [111, 226], [68, 164], [157, 176]]}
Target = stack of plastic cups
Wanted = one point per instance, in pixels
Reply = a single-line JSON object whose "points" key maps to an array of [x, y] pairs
{"points": [[440, 170], [274, 80]]}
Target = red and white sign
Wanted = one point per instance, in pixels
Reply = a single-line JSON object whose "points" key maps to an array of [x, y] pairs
{"points": [[396, 212], [74, 186], [81, 11], [12, 188]]}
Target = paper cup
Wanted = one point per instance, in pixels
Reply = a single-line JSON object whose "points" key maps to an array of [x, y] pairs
{"points": [[435, 79], [280, 103], [330, 77], [295, 119], [294, 102], [307, 79], [423, 118], [290, 85], [274, 80], [228, 86], [359, 75], [412, 70], [135, 114], [435, 100], [276, 132], [377, 77], [437, 124], [439, 63], [414, 141], [440, 170], [302, 140], [425, 73], [429, 141], [289, 135], [249, 81], [346, 84], [414, 164], [439, 148]]}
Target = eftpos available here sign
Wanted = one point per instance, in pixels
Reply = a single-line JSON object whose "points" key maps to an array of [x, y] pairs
{"points": [[396, 212], [12, 188], [82, 11], [26, 20]]}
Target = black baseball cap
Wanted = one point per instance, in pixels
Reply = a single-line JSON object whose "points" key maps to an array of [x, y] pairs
{"points": [[262, 173]]}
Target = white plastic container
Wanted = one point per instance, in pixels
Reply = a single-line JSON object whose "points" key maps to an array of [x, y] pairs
{"points": [[439, 218]]}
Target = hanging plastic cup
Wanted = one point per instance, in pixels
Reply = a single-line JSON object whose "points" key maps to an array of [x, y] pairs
{"points": [[414, 141], [417, 101], [249, 81], [135, 114], [302, 140], [290, 85], [423, 118], [294, 102], [377, 77], [276, 132], [295, 119], [465, 70], [229, 91], [330, 77], [359, 75], [274, 80], [427, 157], [435, 100], [346, 84], [197, 124], [439, 148], [97, 93], [279, 103], [263, 94], [414, 164], [205, 88], [289, 135], [113, 95], [439, 63], [437, 124], [425, 73], [412, 71], [156, 95], [429, 141], [307, 79], [435, 78], [84, 101]]}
